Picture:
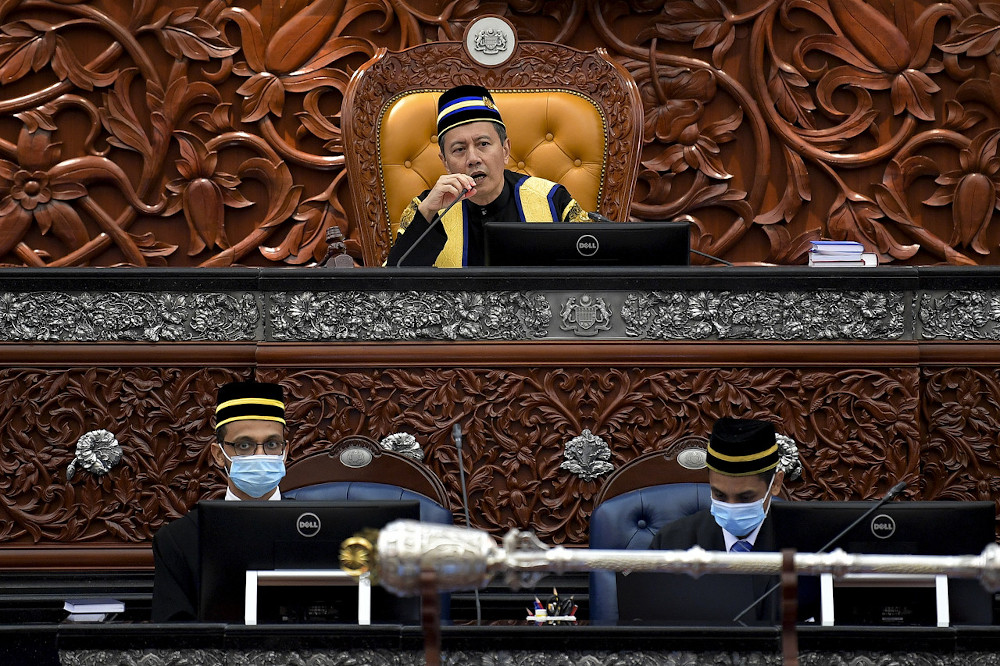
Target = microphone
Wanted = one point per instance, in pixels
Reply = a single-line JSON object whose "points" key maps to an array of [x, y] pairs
{"points": [[456, 436], [893, 492], [434, 221], [597, 217]]}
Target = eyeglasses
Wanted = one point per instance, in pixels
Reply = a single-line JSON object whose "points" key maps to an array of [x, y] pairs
{"points": [[247, 447]]}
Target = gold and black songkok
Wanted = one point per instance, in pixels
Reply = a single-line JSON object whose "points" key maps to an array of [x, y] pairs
{"points": [[742, 447], [465, 104], [242, 401]]}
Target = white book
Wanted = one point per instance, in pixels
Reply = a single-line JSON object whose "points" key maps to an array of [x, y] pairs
{"points": [[94, 605], [86, 617]]}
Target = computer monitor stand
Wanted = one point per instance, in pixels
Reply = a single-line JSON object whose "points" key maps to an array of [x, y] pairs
{"points": [[935, 586], [307, 577]]}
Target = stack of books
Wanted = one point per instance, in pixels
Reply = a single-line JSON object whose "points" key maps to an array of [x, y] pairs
{"points": [[840, 254], [92, 610]]}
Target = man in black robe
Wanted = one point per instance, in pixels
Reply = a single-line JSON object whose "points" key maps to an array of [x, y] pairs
{"points": [[250, 447], [474, 149], [742, 460]]}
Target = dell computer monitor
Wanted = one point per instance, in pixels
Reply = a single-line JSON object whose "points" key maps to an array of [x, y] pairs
{"points": [[236, 537], [587, 244], [914, 528]]}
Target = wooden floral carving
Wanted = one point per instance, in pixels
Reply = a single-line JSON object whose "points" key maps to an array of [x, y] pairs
{"points": [[168, 132]]}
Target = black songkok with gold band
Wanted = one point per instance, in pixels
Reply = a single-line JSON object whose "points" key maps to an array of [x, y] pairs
{"points": [[243, 401], [742, 447], [465, 104]]}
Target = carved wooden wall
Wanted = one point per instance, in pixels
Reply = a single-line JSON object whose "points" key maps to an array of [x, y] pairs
{"points": [[859, 429], [178, 132]]}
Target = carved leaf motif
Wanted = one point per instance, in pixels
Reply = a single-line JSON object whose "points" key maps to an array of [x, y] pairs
{"points": [[874, 35], [315, 216], [911, 91], [121, 120], [264, 94], [184, 34], [977, 35], [24, 46], [797, 190], [788, 89], [703, 23], [67, 67], [301, 36]]}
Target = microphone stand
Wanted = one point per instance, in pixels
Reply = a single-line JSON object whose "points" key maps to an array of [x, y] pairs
{"points": [[456, 435], [895, 490], [434, 221]]}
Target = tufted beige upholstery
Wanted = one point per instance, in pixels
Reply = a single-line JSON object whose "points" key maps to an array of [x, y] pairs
{"points": [[556, 135], [572, 116]]}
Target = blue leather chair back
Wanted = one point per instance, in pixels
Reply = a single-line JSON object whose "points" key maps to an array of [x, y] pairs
{"points": [[629, 521], [430, 511]]}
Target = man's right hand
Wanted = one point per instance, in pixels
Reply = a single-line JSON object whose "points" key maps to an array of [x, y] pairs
{"points": [[447, 188]]}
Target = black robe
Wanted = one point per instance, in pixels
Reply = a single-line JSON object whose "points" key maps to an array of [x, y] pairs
{"points": [[700, 529], [175, 578], [501, 209]]}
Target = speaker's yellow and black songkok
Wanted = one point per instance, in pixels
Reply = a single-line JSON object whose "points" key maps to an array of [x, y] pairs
{"points": [[243, 401], [742, 447], [465, 104]]}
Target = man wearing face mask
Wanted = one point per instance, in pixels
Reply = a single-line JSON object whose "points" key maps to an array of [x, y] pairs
{"points": [[742, 461], [250, 447]]}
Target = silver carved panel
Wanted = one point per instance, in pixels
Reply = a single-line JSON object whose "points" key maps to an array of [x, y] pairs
{"points": [[187, 657], [959, 315], [127, 316], [511, 658], [817, 315], [408, 315]]}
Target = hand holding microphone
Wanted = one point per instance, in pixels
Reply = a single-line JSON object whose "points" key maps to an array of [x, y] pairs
{"points": [[451, 181], [449, 188]]}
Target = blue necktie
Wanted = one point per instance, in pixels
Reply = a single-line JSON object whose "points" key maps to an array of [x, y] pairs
{"points": [[741, 547]]}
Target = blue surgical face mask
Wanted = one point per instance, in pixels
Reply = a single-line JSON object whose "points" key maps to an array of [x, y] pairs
{"points": [[741, 519], [256, 475]]}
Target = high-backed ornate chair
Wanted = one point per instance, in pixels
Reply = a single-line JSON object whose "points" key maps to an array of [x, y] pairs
{"points": [[637, 500], [356, 468], [574, 117]]}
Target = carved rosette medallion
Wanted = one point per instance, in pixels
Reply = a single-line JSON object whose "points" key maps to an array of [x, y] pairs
{"points": [[820, 315], [588, 456], [409, 315], [128, 317], [959, 315]]}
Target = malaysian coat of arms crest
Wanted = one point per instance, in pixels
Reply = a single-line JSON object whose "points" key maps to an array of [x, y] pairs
{"points": [[587, 316]]}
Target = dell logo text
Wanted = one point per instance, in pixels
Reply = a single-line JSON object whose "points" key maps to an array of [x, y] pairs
{"points": [[883, 526], [308, 524], [587, 245]]}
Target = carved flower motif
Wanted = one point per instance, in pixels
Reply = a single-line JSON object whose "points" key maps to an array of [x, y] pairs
{"points": [[972, 189], [290, 50], [37, 189], [203, 192], [677, 98], [880, 53]]}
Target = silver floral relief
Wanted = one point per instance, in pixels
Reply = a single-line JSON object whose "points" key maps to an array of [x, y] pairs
{"points": [[816, 315], [145, 657], [127, 316], [97, 452], [408, 315], [789, 461], [212, 657], [959, 315], [588, 456], [404, 443]]}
